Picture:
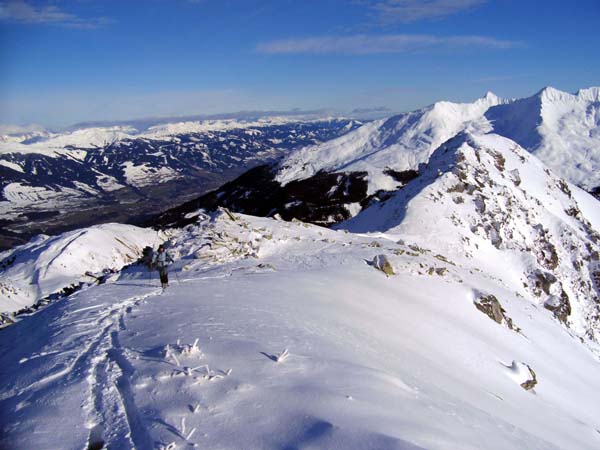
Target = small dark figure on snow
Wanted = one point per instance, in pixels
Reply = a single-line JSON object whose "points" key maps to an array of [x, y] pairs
{"points": [[161, 261]]}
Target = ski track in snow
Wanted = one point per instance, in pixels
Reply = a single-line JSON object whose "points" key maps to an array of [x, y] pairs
{"points": [[290, 369], [102, 362]]}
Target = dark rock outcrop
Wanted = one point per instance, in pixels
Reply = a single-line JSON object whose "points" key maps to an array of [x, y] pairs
{"points": [[320, 199]]}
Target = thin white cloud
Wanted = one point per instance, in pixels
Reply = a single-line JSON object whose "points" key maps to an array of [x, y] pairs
{"points": [[20, 11], [404, 11], [371, 44]]}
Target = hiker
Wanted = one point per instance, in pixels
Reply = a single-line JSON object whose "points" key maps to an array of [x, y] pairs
{"points": [[162, 260]]}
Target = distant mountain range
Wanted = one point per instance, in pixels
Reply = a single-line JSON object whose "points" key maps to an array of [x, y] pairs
{"points": [[454, 300], [52, 182], [333, 181]]}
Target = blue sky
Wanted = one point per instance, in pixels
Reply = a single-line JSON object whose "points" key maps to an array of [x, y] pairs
{"points": [[67, 61]]}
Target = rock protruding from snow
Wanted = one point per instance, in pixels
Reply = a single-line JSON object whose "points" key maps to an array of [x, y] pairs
{"points": [[491, 307], [381, 262], [523, 374]]}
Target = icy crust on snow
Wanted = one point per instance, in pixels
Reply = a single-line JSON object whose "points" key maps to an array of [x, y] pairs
{"points": [[401, 143], [47, 265], [484, 198], [279, 335]]}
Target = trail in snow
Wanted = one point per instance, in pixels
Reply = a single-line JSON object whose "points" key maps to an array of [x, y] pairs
{"points": [[279, 335]]}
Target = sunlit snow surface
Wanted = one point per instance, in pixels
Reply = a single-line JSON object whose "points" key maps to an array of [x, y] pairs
{"points": [[48, 264], [277, 335], [561, 129]]}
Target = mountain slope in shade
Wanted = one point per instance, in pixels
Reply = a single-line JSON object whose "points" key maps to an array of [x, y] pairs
{"points": [[483, 198]]}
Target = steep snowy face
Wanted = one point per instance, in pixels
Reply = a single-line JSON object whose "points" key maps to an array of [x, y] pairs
{"points": [[399, 143], [47, 265], [483, 198], [561, 129]]}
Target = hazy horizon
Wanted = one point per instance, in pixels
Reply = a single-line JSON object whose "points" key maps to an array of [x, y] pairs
{"points": [[70, 62]]}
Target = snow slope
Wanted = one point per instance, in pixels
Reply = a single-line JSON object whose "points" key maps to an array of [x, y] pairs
{"points": [[561, 129], [47, 265], [484, 198], [401, 142], [279, 335]]}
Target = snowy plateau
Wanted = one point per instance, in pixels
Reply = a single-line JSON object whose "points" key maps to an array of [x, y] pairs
{"points": [[460, 310]]}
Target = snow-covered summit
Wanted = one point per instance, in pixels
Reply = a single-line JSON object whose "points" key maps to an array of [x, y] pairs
{"points": [[401, 143], [484, 198], [562, 129], [590, 94]]}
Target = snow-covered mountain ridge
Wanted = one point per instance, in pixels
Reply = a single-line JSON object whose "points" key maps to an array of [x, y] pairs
{"points": [[459, 310], [47, 142], [49, 265], [484, 197], [285, 335], [562, 129]]}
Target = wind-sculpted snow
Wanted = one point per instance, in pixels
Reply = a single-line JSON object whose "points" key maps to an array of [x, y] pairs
{"points": [[484, 198], [280, 335]]}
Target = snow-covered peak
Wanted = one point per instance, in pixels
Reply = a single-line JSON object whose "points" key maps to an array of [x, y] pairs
{"points": [[491, 99], [401, 143], [591, 94], [562, 129], [550, 94], [484, 198]]}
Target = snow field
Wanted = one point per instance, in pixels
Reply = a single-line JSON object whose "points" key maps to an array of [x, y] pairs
{"points": [[399, 362]]}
